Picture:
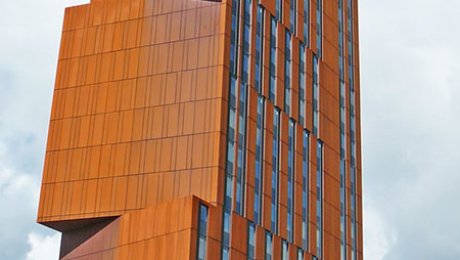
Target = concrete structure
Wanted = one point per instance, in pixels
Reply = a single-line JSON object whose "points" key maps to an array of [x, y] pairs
{"points": [[192, 129]]}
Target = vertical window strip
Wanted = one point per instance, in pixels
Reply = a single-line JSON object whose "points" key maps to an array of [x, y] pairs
{"points": [[300, 254], [272, 71], [251, 241], [285, 250], [315, 95], [305, 188], [229, 169], [275, 171], [258, 71], [246, 41], [287, 69], [241, 171], [302, 84], [234, 37], [242, 111], [352, 112], [202, 232], [341, 41], [259, 160], [319, 27], [343, 190], [293, 16], [306, 22], [291, 194], [268, 246], [319, 198], [279, 10], [231, 131]]}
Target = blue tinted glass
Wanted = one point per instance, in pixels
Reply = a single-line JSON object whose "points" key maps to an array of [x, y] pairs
{"points": [[234, 37], [319, 198], [293, 16], [259, 48], [315, 95], [272, 69], [319, 26], [302, 84], [251, 241], [284, 253], [290, 205], [305, 188], [275, 171], [246, 40], [268, 246], [202, 232], [352, 120], [231, 131], [241, 172], [259, 160], [343, 149], [287, 77], [279, 11], [299, 254], [306, 21]]}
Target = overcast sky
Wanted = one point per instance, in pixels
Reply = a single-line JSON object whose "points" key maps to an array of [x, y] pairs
{"points": [[410, 64]]}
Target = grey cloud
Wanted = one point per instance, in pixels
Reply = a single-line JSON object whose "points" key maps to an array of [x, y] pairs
{"points": [[30, 40], [410, 109]]}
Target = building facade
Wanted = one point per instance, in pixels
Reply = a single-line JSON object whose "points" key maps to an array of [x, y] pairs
{"points": [[193, 129]]}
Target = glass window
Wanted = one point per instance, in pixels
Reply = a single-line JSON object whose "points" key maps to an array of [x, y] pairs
{"points": [[343, 130], [306, 22], [319, 26], [287, 76], [302, 84], [315, 95], [229, 169], [230, 145], [285, 253], [319, 198], [275, 171], [234, 38], [226, 235], [279, 10], [268, 246], [352, 136], [291, 166], [305, 188], [294, 16], [246, 41], [272, 71], [259, 48], [202, 232], [241, 171], [258, 189], [251, 241], [300, 254]]}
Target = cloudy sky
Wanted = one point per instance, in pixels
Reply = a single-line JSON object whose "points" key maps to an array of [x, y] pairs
{"points": [[410, 122]]}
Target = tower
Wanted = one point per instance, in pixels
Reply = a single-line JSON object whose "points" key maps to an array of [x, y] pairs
{"points": [[193, 129]]}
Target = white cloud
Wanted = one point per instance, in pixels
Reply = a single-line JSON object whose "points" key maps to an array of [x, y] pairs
{"points": [[19, 194], [28, 59], [43, 247], [18, 197], [76, 2], [379, 236]]}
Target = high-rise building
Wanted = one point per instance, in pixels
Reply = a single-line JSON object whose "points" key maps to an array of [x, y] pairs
{"points": [[193, 129]]}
